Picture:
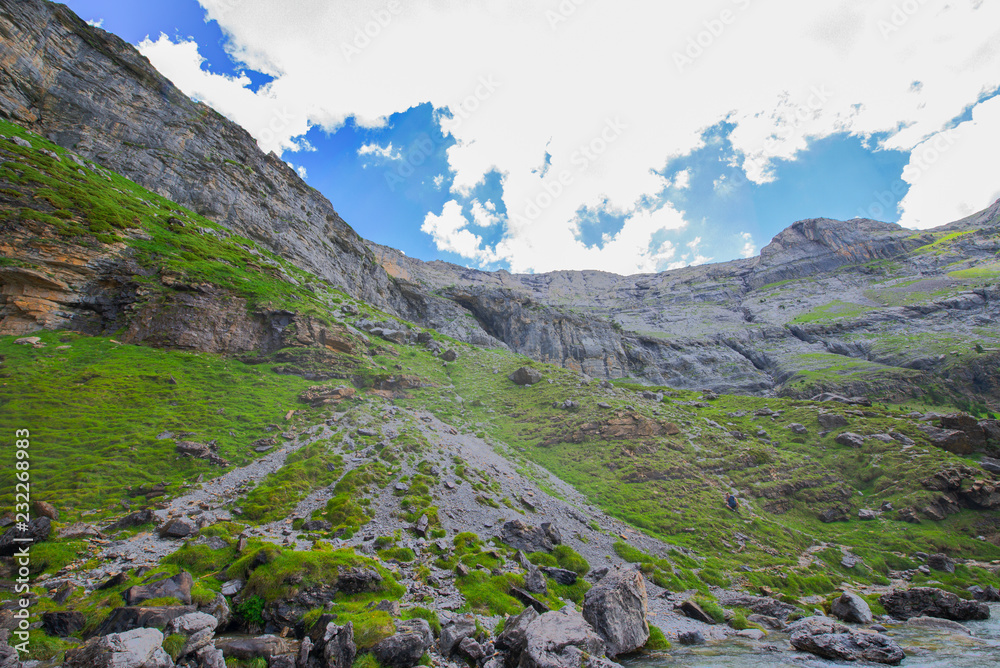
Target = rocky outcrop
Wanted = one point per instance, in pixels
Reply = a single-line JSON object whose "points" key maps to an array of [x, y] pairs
{"points": [[514, 637], [852, 608], [931, 602], [522, 536], [91, 92], [617, 607], [139, 648]]}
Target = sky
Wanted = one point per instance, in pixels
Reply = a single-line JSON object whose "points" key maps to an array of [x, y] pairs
{"points": [[630, 136]]}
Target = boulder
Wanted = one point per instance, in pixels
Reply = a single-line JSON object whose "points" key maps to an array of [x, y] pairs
{"points": [[454, 631], [830, 421], [527, 599], [43, 509], [79, 531], [759, 605], [560, 639], [8, 656], [941, 562], [359, 580], [406, 646], [219, 608], [561, 575], [969, 425], [128, 618], [522, 536], [617, 607], [867, 514], [232, 587], [833, 515], [37, 531], [951, 440], [247, 649], [938, 624], [931, 602], [797, 428], [845, 645], [534, 581], [471, 651], [990, 464], [989, 595], [63, 624], [177, 528], [694, 611], [513, 639], [525, 376], [198, 627], [991, 429], [210, 657], [138, 648], [850, 439], [449, 356], [335, 645], [200, 451], [691, 638], [179, 587], [316, 525], [135, 519], [852, 608]]}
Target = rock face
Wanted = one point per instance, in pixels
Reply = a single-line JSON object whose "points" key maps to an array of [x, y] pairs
{"points": [[139, 648], [406, 646], [931, 602], [852, 608], [91, 92], [617, 607], [559, 639]]}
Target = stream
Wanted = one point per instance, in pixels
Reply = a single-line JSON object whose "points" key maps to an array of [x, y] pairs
{"points": [[924, 647]]}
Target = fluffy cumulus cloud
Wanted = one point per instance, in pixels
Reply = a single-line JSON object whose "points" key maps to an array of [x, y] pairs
{"points": [[526, 87], [749, 248]]}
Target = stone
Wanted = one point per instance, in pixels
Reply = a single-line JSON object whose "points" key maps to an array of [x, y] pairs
{"points": [[177, 528], [138, 648], [534, 581], [988, 595], [248, 649], [852, 608], [830, 421], [560, 639], [454, 631], [522, 536], [951, 440], [941, 562], [449, 356], [797, 428], [471, 651], [561, 575], [335, 644], [316, 525], [850, 439], [135, 617], [178, 586], [527, 599], [513, 639], [43, 509], [760, 605], [219, 608], [939, 624], [210, 657], [406, 646], [390, 606], [931, 602], [138, 518], [848, 646], [969, 425], [833, 515], [990, 464], [694, 611], [691, 638], [232, 587], [359, 580], [617, 608], [63, 624], [200, 451], [867, 514], [752, 634], [420, 528], [79, 531], [36, 531], [526, 376], [199, 627], [991, 429]]}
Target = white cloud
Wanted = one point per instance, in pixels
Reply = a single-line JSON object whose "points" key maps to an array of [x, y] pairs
{"points": [[302, 172], [682, 179], [450, 234], [782, 73], [383, 152], [98, 23], [749, 248], [943, 188], [438, 181], [484, 214]]}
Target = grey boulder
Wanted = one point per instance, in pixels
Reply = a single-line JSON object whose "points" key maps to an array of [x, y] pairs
{"points": [[560, 639], [138, 648], [852, 608], [617, 608], [406, 646]]}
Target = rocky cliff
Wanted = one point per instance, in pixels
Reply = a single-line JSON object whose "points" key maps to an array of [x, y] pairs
{"points": [[91, 92]]}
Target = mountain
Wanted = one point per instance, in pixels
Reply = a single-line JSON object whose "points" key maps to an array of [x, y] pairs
{"points": [[251, 438]]}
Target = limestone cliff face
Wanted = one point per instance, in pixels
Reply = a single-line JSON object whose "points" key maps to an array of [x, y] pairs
{"points": [[91, 92]]}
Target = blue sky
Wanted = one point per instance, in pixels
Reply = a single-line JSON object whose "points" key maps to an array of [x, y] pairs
{"points": [[413, 160]]}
